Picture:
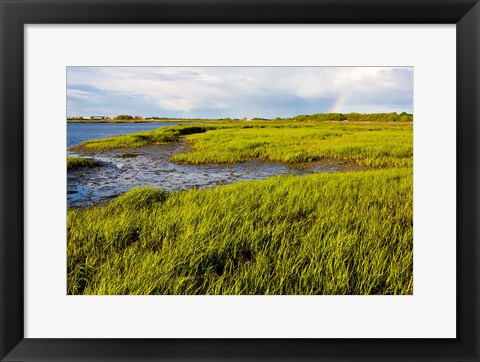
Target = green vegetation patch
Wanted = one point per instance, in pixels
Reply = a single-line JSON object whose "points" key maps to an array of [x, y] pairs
{"points": [[369, 145], [357, 117], [365, 145], [159, 136], [77, 162], [342, 233]]}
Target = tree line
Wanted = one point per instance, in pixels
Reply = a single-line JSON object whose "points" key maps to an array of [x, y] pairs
{"points": [[357, 117]]}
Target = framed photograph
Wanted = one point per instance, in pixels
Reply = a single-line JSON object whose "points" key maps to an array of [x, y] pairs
{"points": [[226, 180]]}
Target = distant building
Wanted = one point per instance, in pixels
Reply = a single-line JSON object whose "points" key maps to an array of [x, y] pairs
{"points": [[99, 117]]}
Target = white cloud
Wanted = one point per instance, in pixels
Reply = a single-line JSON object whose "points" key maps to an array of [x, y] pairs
{"points": [[79, 93], [234, 89]]}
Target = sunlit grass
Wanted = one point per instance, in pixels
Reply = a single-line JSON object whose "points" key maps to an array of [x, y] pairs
{"points": [[338, 233], [366, 145], [77, 162], [370, 145], [343, 233], [159, 136]]}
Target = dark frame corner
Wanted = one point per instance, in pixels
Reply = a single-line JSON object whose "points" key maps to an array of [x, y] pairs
{"points": [[15, 13]]}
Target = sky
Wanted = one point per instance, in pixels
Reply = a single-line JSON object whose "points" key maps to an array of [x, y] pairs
{"points": [[237, 92]]}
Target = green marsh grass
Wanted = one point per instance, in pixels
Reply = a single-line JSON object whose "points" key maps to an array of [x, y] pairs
{"points": [[365, 145], [77, 162], [341, 233], [330, 233], [159, 136], [369, 145]]}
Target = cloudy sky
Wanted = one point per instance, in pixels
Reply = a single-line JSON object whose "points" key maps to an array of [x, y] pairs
{"points": [[237, 92]]}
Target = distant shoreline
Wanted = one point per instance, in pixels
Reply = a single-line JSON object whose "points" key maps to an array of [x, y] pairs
{"points": [[392, 117], [129, 121], [221, 120]]}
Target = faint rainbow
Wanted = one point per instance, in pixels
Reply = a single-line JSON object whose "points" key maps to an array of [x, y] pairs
{"points": [[337, 106]]}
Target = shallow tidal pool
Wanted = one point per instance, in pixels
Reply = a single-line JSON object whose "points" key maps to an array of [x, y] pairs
{"points": [[121, 170]]}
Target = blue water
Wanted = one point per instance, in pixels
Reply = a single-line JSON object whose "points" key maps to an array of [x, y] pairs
{"points": [[79, 132]]}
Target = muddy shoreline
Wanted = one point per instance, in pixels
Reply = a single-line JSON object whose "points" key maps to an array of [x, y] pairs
{"points": [[122, 169]]}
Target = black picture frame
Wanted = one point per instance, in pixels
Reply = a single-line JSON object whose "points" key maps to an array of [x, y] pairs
{"points": [[16, 13]]}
